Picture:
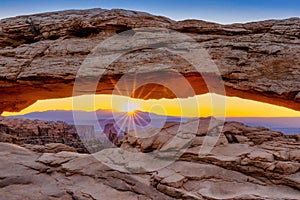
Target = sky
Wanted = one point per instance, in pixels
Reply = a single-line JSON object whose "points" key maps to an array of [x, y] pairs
{"points": [[221, 11], [197, 106]]}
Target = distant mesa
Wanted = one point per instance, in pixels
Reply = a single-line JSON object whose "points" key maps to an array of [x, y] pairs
{"points": [[287, 125]]}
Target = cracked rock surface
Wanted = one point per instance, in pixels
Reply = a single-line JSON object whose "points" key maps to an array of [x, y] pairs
{"points": [[258, 164], [257, 60]]}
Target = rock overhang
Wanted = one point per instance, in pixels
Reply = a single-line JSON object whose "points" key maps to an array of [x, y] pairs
{"points": [[40, 56]]}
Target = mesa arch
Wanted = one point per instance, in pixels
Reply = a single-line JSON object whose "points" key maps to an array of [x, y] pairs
{"points": [[41, 54]]}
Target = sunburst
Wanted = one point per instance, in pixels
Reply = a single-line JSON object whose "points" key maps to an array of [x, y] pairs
{"points": [[131, 120], [130, 108]]}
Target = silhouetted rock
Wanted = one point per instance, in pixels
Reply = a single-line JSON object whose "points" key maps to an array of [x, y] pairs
{"points": [[111, 133]]}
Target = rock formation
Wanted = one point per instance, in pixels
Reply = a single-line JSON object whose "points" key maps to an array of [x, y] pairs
{"points": [[247, 163], [38, 132], [40, 55]]}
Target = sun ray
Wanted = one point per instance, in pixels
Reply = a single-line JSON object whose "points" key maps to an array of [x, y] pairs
{"points": [[122, 125], [124, 117], [115, 85], [134, 84], [125, 81], [150, 92], [140, 93], [140, 118], [134, 127], [130, 108]]}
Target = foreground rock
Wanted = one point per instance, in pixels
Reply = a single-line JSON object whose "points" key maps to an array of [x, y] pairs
{"points": [[246, 163], [49, 148], [256, 60]]}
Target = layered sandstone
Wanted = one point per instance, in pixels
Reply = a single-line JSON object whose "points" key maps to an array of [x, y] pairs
{"points": [[41, 54], [246, 163], [40, 133]]}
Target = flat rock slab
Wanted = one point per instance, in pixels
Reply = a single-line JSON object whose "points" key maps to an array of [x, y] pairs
{"points": [[242, 170]]}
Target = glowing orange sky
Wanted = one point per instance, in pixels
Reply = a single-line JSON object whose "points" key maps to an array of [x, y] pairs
{"points": [[189, 107]]}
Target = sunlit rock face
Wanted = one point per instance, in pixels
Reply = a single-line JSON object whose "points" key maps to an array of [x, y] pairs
{"points": [[41, 54]]}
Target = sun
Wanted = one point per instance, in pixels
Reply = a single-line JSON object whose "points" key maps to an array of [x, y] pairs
{"points": [[130, 108]]}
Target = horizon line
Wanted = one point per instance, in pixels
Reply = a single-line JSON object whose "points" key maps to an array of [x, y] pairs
{"points": [[151, 13]]}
